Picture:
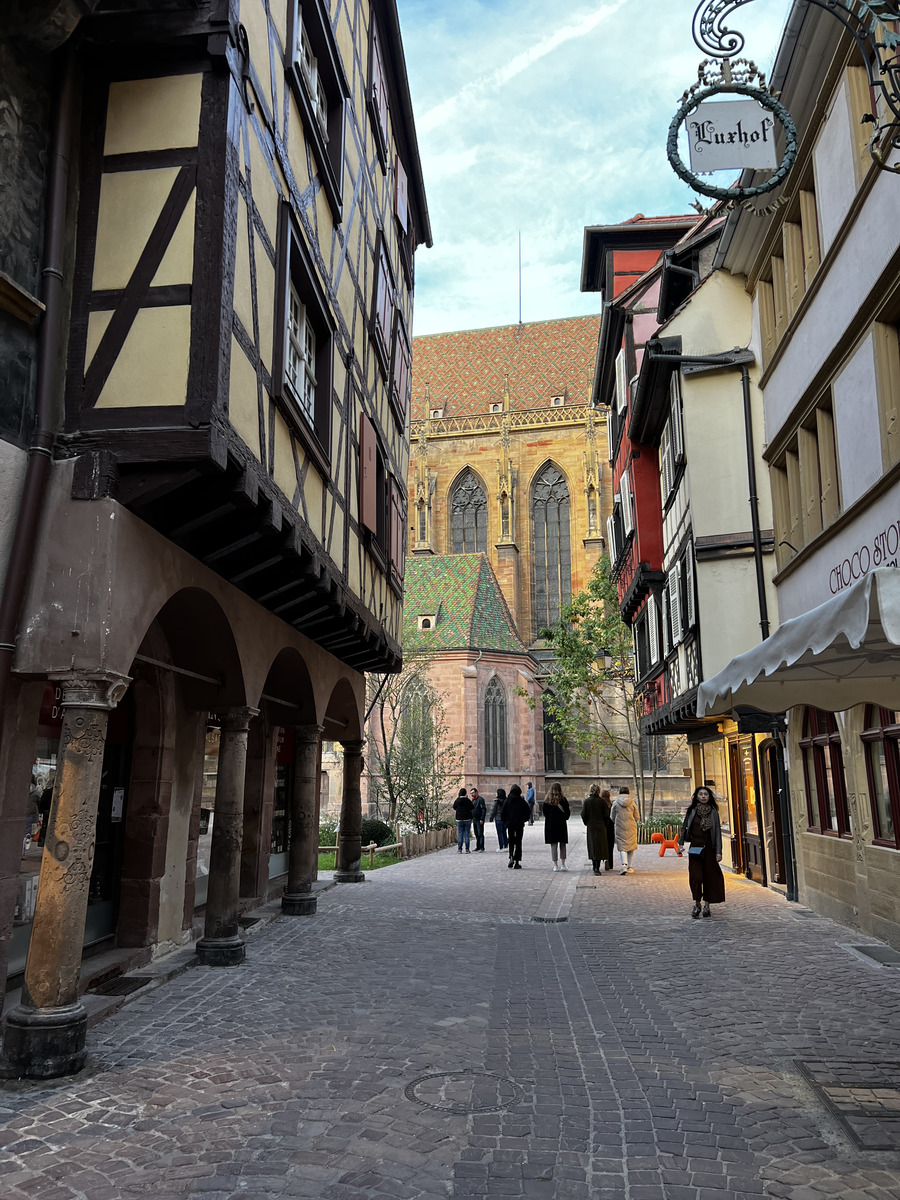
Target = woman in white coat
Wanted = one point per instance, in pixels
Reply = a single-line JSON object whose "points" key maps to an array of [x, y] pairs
{"points": [[625, 814]]}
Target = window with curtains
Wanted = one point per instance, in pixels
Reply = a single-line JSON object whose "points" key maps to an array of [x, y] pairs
{"points": [[552, 551], [468, 515], [823, 773], [495, 752], [881, 736]]}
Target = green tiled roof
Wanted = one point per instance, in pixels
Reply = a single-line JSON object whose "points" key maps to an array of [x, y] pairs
{"points": [[464, 590]]}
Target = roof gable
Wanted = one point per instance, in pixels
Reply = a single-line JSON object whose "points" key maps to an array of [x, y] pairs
{"points": [[473, 612]]}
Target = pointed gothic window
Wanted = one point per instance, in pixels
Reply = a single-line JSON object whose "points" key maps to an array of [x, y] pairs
{"points": [[468, 515], [552, 552], [553, 751], [495, 726]]}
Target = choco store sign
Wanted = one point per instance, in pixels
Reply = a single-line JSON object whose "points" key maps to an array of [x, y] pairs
{"points": [[881, 551]]}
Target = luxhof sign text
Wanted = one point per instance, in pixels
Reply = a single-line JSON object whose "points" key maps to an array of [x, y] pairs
{"points": [[730, 135]]}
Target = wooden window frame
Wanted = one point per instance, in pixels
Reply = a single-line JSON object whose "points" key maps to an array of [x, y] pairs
{"points": [[821, 738], [886, 334], [378, 98], [401, 373], [382, 336], [312, 17], [294, 266], [886, 731]]}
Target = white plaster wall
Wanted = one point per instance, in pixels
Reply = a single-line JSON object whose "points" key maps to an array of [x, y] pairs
{"points": [[854, 272], [716, 457], [857, 427], [728, 610], [835, 168], [12, 474]]}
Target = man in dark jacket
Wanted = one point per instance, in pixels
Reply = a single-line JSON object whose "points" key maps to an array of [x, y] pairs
{"points": [[515, 814], [479, 813], [463, 807]]}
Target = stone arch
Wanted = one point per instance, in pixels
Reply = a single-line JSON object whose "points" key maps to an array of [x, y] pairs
{"points": [[551, 544], [467, 514]]}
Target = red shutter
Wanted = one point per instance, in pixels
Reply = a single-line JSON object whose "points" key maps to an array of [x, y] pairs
{"points": [[401, 374], [396, 533], [401, 194], [368, 463]]}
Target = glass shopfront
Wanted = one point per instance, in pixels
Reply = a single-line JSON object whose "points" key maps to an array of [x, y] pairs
{"points": [[207, 807], [103, 893], [281, 821]]}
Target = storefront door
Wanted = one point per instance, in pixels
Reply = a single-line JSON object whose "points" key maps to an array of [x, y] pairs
{"points": [[743, 773], [772, 807], [281, 822]]}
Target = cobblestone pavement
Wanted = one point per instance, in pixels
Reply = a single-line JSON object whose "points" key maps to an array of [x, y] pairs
{"points": [[424, 1036]]}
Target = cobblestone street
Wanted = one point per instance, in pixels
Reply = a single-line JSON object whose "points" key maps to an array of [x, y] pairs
{"points": [[440, 1031]]}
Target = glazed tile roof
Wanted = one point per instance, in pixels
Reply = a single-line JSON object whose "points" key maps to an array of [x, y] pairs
{"points": [[464, 373], [464, 590]]}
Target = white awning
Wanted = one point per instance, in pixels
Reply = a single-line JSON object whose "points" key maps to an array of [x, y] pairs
{"points": [[845, 652]]}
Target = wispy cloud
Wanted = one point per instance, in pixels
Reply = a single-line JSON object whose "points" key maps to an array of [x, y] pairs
{"points": [[494, 80]]}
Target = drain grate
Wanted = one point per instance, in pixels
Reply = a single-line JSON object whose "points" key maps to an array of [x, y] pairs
{"points": [[885, 956], [124, 985], [464, 1092]]}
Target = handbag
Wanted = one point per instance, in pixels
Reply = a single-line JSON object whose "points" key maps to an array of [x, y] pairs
{"points": [[695, 849]]}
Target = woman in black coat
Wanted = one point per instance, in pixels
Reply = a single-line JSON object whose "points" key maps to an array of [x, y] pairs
{"points": [[703, 830], [515, 813], [556, 832]]}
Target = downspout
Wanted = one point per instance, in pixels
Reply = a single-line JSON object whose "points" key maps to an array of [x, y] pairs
{"points": [[754, 505], [40, 451]]}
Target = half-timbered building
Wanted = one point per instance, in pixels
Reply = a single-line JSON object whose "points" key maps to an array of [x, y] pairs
{"points": [[206, 499]]}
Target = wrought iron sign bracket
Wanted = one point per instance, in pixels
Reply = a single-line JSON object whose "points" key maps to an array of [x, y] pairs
{"points": [[875, 28]]}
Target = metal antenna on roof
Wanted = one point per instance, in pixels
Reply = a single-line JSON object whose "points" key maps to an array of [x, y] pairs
{"points": [[520, 276]]}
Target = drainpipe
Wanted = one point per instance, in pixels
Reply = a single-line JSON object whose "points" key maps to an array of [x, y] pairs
{"points": [[50, 337]]}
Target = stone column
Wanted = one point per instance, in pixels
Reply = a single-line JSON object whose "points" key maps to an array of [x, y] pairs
{"points": [[349, 852], [45, 1034], [303, 852], [221, 944]]}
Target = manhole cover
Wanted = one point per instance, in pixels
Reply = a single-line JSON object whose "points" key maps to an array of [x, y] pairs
{"points": [[463, 1092], [123, 986], [863, 1096]]}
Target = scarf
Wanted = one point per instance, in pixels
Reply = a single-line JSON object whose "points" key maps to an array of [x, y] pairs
{"points": [[704, 812]]}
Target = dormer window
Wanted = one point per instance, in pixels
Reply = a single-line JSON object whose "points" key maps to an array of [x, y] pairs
{"points": [[427, 621], [437, 414], [557, 401], [496, 408]]}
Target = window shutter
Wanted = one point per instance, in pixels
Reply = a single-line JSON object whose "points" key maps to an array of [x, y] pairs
{"points": [[397, 529], [675, 604], [653, 629], [625, 496], [621, 382], [665, 464], [611, 548], [401, 194], [666, 622], [675, 408], [384, 306], [401, 372], [690, 597], [379, 88], [609, 435], [635, 647], [368, 475]]}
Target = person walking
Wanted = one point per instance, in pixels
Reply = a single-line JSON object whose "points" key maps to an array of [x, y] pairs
{"points": [[514, 815], [496, 809], [529, 800], [595, 815], [556, 833], [703, 830], [463, 808], [624, 813], [479, 812]]}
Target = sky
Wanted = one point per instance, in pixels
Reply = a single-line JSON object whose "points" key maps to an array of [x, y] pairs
{"points": [[541, 118]]}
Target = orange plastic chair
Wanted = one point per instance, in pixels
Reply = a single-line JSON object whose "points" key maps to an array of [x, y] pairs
{"points": [[667, 844]]}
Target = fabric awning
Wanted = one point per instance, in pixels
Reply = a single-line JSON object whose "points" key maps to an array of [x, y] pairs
{"points": [[845, 652]]}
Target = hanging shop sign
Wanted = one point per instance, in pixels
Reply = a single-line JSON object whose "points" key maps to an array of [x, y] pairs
{"points": [[732, 122]]}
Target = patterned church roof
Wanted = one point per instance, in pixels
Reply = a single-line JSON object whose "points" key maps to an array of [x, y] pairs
{"points": [[464, 373], [463, 590]]}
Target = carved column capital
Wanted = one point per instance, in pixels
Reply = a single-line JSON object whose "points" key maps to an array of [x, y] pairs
{"points": [[307, 733], [237, 720], [97, 689], [354, 747]]}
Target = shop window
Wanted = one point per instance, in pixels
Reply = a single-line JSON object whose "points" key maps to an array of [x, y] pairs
{"points": [[552, 552], [468, 515], [823, 772], [304, 345], [319, 87], [881, 736], [495, 751]]}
